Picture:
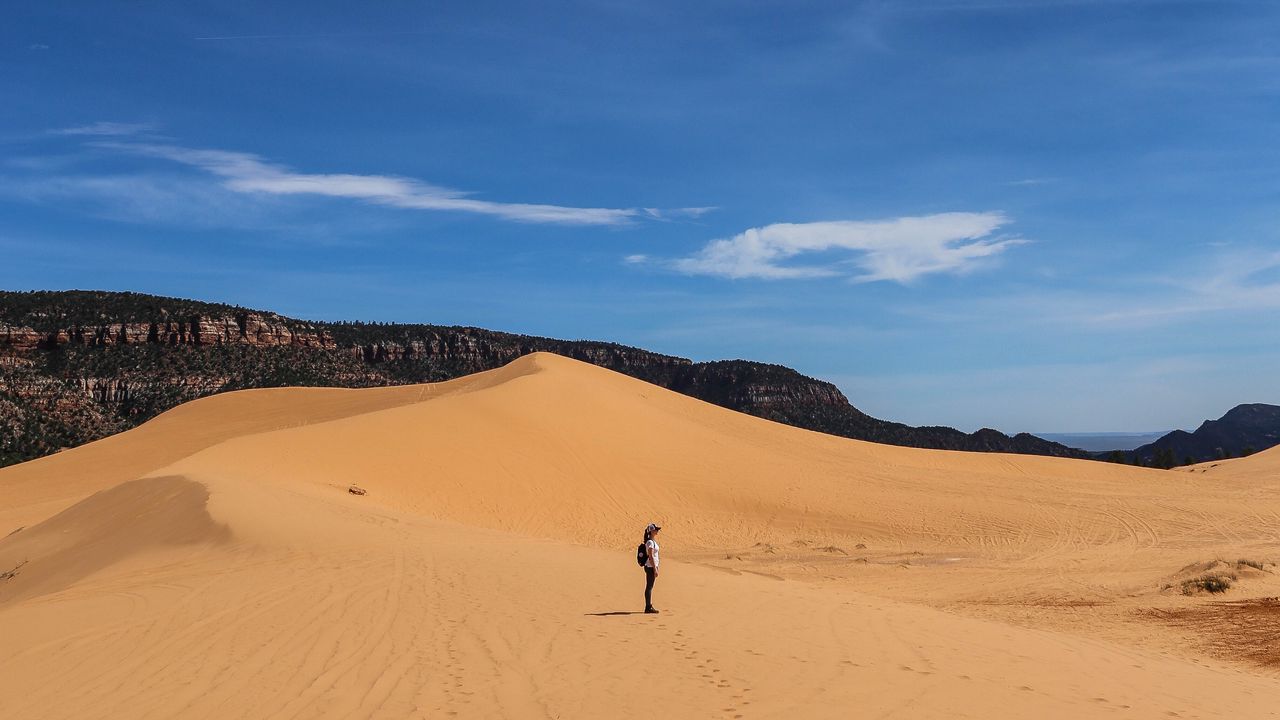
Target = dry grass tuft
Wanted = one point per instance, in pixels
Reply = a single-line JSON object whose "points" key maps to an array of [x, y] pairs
{"points": [[1211, 583], [1215, 576]]}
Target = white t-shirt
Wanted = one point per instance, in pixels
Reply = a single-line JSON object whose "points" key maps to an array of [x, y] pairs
{"points": [[653, 557]]}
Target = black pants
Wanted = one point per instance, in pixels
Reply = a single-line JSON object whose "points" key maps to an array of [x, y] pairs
{"points": [[649, 576]]}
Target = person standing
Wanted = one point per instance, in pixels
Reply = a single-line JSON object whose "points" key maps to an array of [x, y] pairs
{"points": [[650, 565]]}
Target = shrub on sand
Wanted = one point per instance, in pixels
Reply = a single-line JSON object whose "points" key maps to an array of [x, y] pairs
{"points": [[1211, 582]]}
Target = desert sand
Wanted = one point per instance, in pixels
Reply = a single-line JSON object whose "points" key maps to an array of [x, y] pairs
{"points": [[212, 564]]}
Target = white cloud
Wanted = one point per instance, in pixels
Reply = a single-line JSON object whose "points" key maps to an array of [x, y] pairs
{"points": [[106, 129], [899, 249], [248, 173], [636, 259]]}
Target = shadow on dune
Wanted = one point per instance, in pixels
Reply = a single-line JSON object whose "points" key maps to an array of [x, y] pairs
{"points": [[103, 529], [616, 612]]}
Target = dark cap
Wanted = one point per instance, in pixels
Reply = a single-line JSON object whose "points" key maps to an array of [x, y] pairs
{"points": [[653, 527]]}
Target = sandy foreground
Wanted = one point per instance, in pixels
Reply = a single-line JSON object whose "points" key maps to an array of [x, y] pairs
{"points": [[212, 564]]}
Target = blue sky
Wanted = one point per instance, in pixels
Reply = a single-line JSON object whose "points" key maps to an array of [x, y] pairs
{"points": [[1046, 216]]}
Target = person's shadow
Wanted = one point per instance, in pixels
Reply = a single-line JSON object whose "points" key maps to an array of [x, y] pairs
{"points": [[616, 612]]}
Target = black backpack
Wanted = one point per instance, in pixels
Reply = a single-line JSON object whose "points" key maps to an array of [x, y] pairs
{"points": [[642, 554]]}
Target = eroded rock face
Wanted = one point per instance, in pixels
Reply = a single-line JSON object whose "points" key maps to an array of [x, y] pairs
{"points": [[245, 329], [19, 338], [741, 384], [474, 350]]}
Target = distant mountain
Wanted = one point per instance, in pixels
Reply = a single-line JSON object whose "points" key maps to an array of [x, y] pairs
{"points": [[1102, 442], [76, 366], [1244, 430]]}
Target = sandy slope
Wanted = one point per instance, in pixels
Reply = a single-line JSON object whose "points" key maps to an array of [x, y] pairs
{"points": [[1259, 466], [184, 430], [483, 573]]}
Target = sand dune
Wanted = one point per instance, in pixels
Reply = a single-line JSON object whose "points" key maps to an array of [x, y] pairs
{"points": [[55, 481], [212, 564]]}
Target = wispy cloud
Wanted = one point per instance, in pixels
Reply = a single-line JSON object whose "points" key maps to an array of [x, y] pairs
{"points": [[899, 249], [1217, 287], [169, 199], [1247, 280], [689, 213], [106, 129], [249, 173]]}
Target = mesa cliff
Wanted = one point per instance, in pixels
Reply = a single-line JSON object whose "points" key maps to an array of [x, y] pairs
{"points": [[76, 366]]}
